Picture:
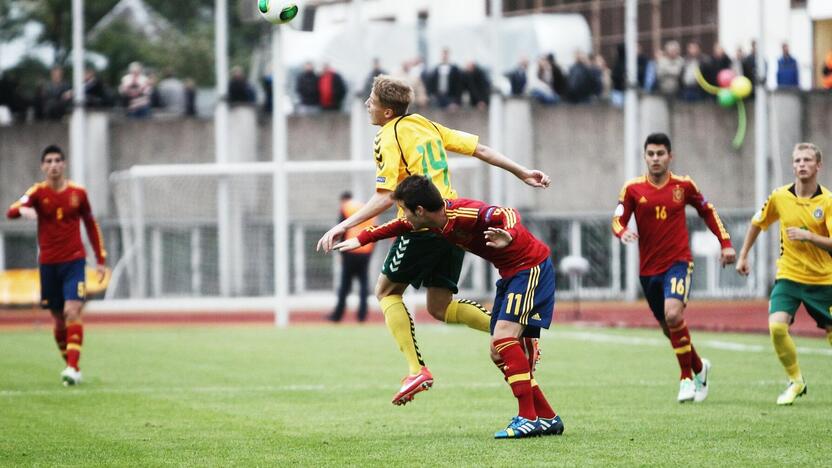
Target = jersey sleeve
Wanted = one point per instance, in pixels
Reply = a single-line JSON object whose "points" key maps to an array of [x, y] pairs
{"points": [[93, 230], [708, 213], [28, 199], [768, 214], [388, 158], [387, 230], [458, 141], [623, 211], [503, 218]]}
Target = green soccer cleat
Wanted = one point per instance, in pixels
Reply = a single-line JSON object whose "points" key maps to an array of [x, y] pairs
{"points": [[700, 382], [792, 392], [519, 428]]}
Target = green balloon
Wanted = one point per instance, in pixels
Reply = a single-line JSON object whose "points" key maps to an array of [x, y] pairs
{"points": [[726, 98]]}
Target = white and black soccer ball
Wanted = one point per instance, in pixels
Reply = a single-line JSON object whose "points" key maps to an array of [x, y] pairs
{"points": [[278, 11]]}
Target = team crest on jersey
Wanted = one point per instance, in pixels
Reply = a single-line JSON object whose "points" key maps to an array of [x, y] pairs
{"points": [[74, 201], [818, 213], [678, 194]]}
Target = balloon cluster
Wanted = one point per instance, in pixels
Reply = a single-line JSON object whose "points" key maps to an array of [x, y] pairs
{"points": [[731, 88]]}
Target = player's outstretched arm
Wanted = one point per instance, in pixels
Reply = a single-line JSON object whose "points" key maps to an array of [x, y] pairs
{"points": [[377, 204], [531, 177], [743, 266]]}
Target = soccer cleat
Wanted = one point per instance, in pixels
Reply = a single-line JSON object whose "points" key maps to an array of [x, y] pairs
{"points": [[70, 376], [411, 385], [520, 427], [687, 391], [551, 426], [701, 382], [792, 392]]}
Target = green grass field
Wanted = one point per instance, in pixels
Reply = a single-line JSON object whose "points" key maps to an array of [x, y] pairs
{"points": [[317, 396]]}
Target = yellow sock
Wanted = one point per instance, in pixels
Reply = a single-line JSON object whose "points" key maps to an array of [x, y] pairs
{"points": [[401, 326], [786, 350], [469, 313]]}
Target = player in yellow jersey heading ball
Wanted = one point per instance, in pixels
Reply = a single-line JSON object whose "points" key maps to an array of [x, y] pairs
{"points": [[410, 144], [804, 269]]}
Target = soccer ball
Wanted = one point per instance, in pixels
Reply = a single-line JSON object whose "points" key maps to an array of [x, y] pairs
{"points": [[277, 11]]}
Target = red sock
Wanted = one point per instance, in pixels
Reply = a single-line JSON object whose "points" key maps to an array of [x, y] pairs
{"points": [[680, 340], [695, 361], [59, 331], [541, 404], [75, 337], [518, 375]]}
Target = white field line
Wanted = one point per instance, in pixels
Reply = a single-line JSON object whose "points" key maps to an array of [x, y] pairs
{"points": [[661, 342]]}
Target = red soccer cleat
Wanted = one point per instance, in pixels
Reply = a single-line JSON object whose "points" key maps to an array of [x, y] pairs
{"points": [[413, 384]]}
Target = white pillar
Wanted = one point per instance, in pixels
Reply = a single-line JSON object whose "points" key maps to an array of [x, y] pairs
{"points": [[631, 131], [280, 189], [221, 145], [76, 126], [761, 151]]}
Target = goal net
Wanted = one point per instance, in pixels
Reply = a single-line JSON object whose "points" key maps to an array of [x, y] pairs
{"points": [[205, 232]]}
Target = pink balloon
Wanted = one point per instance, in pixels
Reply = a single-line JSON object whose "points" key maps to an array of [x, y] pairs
{"points": [[724, 77]]}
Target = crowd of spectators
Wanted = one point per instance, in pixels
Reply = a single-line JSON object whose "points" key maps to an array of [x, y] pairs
{"points": [[446, 85]]}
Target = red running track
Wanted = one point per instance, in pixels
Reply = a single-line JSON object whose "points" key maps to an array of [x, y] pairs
{"points": [[720, 316]]}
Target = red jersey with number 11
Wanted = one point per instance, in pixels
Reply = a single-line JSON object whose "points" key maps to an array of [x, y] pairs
{"points": [[660, 217], [467, 222]]}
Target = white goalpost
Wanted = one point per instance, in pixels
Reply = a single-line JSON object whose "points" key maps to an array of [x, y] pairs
{"points": [[173, 238]]}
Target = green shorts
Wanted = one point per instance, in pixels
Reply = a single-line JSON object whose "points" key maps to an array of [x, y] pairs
{"points": [[787, 295], [424, 258]]}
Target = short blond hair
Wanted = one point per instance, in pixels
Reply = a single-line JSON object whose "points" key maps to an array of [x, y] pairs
{"points": [[393, 93], [811, 147]]}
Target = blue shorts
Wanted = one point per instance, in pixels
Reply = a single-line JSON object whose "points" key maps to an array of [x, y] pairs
{"points": [[61, 282], [527, 298], [673, 283]]}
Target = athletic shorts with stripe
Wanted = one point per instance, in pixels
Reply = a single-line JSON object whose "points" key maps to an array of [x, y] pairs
{"points": [[527, 298], [424, 258], [673, 283], [61, 282], [787, 295]]}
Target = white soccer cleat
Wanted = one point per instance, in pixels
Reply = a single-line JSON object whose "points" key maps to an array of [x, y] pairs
{"points": [[70, 376], [687, 391], [700, 382], [792, 392]]}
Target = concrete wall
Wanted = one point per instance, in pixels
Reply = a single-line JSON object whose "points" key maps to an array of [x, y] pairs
{"points": [[579, 146]]}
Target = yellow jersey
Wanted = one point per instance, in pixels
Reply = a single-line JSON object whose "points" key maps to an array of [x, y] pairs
{"points": [[800, 261], [412, 144]]}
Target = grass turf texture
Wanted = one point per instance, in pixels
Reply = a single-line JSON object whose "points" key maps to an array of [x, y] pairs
{"points": [[321, 396]]}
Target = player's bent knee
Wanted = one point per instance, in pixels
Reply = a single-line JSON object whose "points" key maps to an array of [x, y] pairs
{"points": [[72, 310], [385, 287]]}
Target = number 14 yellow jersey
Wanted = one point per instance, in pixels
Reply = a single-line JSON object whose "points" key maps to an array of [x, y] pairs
{"points": [[412, 144]]}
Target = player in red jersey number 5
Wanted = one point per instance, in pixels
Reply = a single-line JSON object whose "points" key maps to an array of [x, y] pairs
{"points": [[59, 206]]}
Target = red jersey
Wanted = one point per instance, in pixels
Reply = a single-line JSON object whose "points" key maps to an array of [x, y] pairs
{"points": [[59, 222], [467, 221], [660, 217]]}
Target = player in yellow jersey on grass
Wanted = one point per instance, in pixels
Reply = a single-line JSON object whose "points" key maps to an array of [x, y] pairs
{"points": [[410, 144], [804, 269]]}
